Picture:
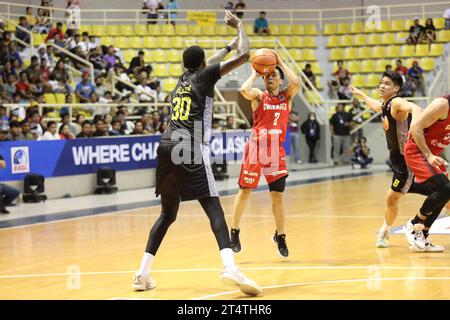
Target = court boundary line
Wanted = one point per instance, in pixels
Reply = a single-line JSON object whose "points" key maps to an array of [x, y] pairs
{"points": [[119, 208]]}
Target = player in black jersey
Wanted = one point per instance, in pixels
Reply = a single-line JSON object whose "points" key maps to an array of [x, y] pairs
{"points": [[396, 115], [184, 170]]}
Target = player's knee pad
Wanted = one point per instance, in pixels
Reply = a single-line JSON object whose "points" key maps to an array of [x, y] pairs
{"points": [[278, 185]]}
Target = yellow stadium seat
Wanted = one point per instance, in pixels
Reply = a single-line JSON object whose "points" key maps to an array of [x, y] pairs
{"points": [[169, 84], [393, 52], [343, 28], [154, 29], [160, 55], [443, 36], [167, 30], [194, 30], [350, 53], [373, 80], [296, 54], [159, 70], [140, 30], [364, 53], [309, 42], [135, 42], [249, 29], [285, 41], [107, 41], [400, 38], [221, 29], [99, 30], [313, 97], [298, 29], [407, 51], [357, 27], [427, 64], [256, 42], [208, 30], [378, 52], [148, 56], [164, 42], [439, 23], [296, 42], [421, 50], [309, 55], [381, 65], [128, 55], [358, 80], [315, 67], [121, 42], [38, 39], [113, 30], [174, 56], [206, 43], [388, 38], [437, 49], [310, 29], [181, 30], [126, 30], [397, 25], [319, 84], [336, 54], [26, 63], [149, 42], [368, 66], [285, 29], [374, 39], [60, 97], [177, 42], [329, 29], [175, 69], [274, 29], [85, 28], [50, 98], [354, 66], [347, 40], [360, 40], [334, 41], [374, 94], [383, 27]]}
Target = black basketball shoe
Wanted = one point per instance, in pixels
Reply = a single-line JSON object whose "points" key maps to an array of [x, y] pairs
{"points": [[235, 242], [280, 240]]}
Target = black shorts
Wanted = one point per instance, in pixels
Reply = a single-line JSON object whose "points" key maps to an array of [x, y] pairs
{"points": [[403, 177], [188, 181]]}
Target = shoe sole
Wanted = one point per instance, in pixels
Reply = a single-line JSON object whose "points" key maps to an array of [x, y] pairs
{"points": [[142, 287], [278, 252], [382, 246], [427, 251], [246, 288], [411, 240], [232, 248]]}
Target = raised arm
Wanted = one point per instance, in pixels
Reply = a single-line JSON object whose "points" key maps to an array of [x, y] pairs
{"points": [[437, 110], [294, 81], [222, 53], [243, 53], [373, 104], [250, 93]]}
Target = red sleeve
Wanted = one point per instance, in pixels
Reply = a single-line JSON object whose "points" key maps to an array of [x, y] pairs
{"points": [[50, 35]]}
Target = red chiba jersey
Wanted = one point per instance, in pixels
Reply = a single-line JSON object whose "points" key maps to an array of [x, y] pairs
{"points": [[437, 135], [271, 117]]}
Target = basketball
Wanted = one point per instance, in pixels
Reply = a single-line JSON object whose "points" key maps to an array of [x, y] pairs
{"points": [[264, 61]]}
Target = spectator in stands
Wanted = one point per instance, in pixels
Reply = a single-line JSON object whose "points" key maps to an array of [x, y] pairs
{"points": [[163, 127], [152, 7], [360, 153], [100, 87], [21, 34], [29, 16], [339, 76], [165, 114], [160, 97], [357, 118], [92, 42], [293, 126], [43, 23], [261, 26], [7, 71], [240, 5], [65, 120], [138, 128], [388, 68], [109, 58], [137, 64], [15, 131], [65, 133], [23, 86], [147, 121], [311, 129], [156, 121], [4, 133], [51, 133], [173, 5], [116, 128], [416, 73], [229, 123], [86, 130], [85, 88], [344, 90], [10, 86], [84, 43], [144, 92], [100, 129], [25, 126], [429, 34], [447, 19], [340, 124], [401, 68], [310, 75], [45, 71], [57, 30], [409, 87], [416, 32], [14, 54], [95, 57], [4, 118]]}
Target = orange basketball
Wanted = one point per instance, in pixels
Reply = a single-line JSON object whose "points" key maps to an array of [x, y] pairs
{"points": [[264, 61]]}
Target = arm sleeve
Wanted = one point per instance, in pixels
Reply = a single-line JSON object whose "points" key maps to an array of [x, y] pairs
{"points": [[1, 157]]}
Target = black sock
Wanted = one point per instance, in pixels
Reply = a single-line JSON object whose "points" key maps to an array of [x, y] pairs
{"points": [[417, 220]]}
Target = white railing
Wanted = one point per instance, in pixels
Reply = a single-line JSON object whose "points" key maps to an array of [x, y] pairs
{"points": [[30, 34], [285, 16], [131, 85]]}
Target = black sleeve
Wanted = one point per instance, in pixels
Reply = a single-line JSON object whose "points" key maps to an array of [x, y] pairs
{"points": [[211, 74], [1, 157], [333, 119]]}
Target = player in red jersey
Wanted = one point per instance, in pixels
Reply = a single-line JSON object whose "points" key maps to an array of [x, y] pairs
{"points": [[264, 153], [430, 135]]}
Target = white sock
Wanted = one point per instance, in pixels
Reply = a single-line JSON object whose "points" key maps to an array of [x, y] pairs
{"points": [[146, 264], [227, 256], [385, 228]]}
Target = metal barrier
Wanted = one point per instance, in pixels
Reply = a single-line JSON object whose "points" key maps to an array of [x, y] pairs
{"points": [[30, 45]]}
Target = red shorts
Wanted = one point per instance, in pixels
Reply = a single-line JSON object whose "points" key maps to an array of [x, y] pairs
{"points": [[256, 162], [419, 165]]}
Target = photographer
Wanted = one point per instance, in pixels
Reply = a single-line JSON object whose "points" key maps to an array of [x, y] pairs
{"points": [[361, 153], [7, 193]]}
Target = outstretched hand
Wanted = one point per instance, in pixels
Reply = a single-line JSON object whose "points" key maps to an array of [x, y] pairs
{"points": [[231, 19], [355, 91]]}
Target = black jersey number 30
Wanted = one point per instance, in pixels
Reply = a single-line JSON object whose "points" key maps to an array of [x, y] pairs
{"points": [[181, 109]]}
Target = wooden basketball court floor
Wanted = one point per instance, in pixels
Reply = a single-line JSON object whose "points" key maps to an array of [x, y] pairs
{"points": [[331, 230]]}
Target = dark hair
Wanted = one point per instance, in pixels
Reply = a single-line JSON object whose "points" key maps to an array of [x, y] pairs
{"points": [[62, 127], [395, 77], [262, 12], [50, 123], [193, 57], [120, 112], [388, 66], [85, 33], [98, 120], [398, 60], [65, 115], [34, 58], [308, 65], [280, 71], [14, 124], [115, 121], [77, 118], [59, 24], [429, 19], [340, 61], [141, 52], [97, 117], [85, 122]]}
